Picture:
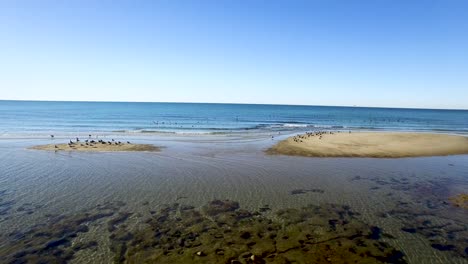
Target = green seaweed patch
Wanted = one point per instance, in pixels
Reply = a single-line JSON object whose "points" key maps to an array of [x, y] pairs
{"points": [[222, 232], [460, 200]]}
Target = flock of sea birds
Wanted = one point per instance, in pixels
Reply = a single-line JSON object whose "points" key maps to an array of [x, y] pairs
{"points": [[299, 138], [91, 142]]}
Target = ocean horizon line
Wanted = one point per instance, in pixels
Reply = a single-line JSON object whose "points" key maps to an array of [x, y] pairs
{"points": [[234, 103]]}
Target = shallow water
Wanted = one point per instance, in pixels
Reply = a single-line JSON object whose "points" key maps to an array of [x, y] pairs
{"points": [[406, 198]]}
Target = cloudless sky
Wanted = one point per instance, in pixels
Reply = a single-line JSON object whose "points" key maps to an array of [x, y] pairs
{"points": [[368, 53]]}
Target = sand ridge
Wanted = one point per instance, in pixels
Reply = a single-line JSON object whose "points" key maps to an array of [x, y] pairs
{"points": [[371, 144], [97, 147]]}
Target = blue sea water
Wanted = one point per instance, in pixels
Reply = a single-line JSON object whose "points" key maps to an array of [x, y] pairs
{"points": [[23, 117]]}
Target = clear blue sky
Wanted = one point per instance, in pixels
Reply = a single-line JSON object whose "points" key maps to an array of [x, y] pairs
{"points": [[366, 53]]}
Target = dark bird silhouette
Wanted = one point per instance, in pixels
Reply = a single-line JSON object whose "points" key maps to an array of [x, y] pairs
{"points": [[52, 136]]}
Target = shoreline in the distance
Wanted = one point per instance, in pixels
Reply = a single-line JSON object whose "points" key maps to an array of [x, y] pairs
{"points": [[371, 145]]}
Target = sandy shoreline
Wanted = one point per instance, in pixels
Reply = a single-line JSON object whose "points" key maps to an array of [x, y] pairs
{"points": [[373, 145], [98, 147]]}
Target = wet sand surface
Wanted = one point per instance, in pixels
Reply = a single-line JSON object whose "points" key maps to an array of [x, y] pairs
{"points": [[371, 145], [223, 198]]}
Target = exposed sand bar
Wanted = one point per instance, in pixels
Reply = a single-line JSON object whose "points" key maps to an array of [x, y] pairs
{"points": [[373, 145], [97, 147]]}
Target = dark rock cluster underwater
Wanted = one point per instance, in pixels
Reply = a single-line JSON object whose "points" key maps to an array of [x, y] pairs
{"points": [[219, 232], [427, 213]]}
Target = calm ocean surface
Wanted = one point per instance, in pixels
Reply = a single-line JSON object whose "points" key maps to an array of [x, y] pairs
{"points": [[32, 117]]}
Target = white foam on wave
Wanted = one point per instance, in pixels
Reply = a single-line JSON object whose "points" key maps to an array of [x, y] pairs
{"points": [[312, 125], [296, 125]]}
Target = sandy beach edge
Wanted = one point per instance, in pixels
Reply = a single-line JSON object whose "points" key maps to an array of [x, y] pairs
{"points": [[98, 148], [371, 145]]}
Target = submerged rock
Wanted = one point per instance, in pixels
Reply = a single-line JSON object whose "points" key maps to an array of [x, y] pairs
{"points": [[219, 232], [303, 191], [222, 233], [217, 206], [52, 242]]}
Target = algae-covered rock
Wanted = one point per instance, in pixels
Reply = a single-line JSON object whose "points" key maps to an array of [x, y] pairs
{"points": [[460, 200], [219, 232], [217, 206], [223, 233]]}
